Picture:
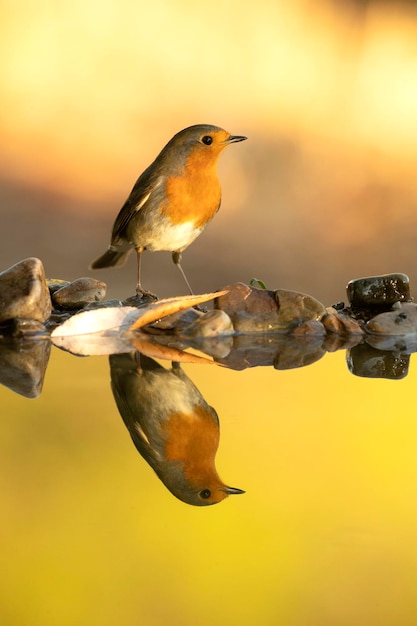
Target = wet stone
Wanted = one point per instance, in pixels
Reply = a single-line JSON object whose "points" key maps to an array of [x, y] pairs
{"points": [[56, 283], [298, 308], [210, 324], [260, 310], [24, 292], [401, 320], [311, 327], [79, 293], [340, 323], [378, 291], [177, 322]]}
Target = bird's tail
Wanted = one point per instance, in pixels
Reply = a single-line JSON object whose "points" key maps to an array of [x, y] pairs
{"points": [[111, 258]]}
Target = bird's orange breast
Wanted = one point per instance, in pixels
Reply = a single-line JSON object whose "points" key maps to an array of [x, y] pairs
{"points": [[192, 438], [195, 194]]}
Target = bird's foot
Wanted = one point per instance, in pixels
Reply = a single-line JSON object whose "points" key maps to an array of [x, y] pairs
{"points": [[140, 298]]}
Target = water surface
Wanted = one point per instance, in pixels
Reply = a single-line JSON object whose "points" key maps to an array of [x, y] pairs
{"points": [[325, 534]]}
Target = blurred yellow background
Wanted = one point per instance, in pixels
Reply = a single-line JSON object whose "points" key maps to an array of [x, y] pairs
{"points": [[323, 191], [325, 534]]}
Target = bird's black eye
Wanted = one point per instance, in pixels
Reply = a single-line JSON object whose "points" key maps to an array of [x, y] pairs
{"points": [[207, 140], [206, 493]]}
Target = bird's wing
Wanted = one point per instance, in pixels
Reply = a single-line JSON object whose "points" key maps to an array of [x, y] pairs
{"points": [[143, 191]]}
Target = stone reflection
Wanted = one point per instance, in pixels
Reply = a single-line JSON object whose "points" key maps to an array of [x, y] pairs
{"points": [[23, 364], [171, 425], [368, 362]]}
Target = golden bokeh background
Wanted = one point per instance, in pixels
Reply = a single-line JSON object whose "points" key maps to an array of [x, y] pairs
{"points": [[323, 191]]}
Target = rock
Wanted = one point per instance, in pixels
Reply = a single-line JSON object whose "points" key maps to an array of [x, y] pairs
{"points": [[24, 292], [210, 324], [177, 322], [401, 320], [379, 291], [251, 310], [79, 293], [56, 283], [340, 323], [297, 308], [311, 327], [260, 310]]}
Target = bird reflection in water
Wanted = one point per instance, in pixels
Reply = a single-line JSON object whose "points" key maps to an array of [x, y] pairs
{"points": [[171, 425]]}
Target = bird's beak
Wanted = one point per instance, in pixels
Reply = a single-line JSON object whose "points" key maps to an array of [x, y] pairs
{"points": [[233, 490], [235, 139]]}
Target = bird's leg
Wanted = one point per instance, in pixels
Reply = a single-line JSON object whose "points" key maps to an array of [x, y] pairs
{"points": [[140, 291], [176, 257], [139, 254]]}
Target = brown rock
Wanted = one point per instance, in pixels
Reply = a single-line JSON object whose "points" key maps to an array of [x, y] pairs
{"points": [[296, 308], [311, 327], [260, 310], [24, 293], [335, 322]]}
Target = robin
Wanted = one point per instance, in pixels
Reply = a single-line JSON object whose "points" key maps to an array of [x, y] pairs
{"points": [[172, 201], [171, 425]]}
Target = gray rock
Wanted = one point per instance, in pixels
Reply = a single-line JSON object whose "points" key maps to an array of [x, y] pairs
{"points": [[401, 320], [79, 293], [377, 291], [24, 292]]}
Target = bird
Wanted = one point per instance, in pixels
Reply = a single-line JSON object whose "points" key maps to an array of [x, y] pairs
{"points": [[171, 425], [172, 201]]}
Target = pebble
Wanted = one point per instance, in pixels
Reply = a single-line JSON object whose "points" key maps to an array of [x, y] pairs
{"points": [[211, 324], [24, 292], [377, 291], [79, 293], [340, 323], [401, 320]]}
